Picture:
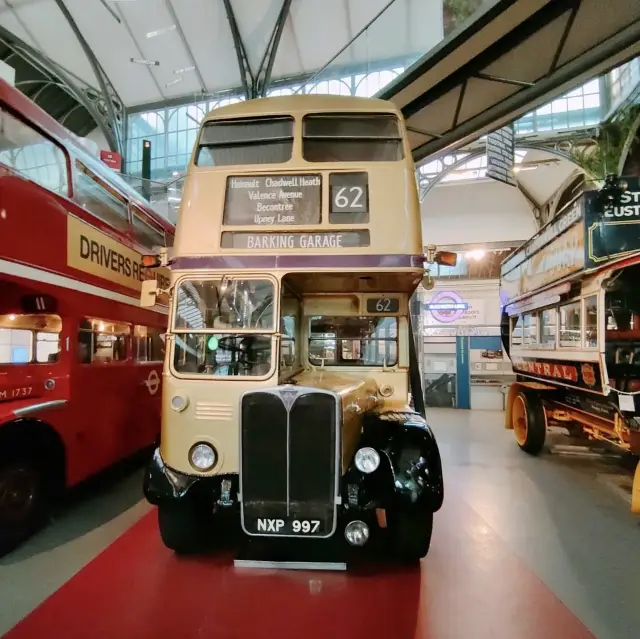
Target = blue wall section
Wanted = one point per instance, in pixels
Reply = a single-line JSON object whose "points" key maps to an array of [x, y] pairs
{"points": [[463, 373], [486, 343]]}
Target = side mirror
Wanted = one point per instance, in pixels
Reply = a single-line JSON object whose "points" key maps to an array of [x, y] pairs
{"points": [[428, 282], [149, 293], [446, 258]]}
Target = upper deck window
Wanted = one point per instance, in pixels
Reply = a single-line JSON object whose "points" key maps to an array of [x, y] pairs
{"points": [[245, 141], [352, 138], [27, 152], [145, 231], [99, 198]]}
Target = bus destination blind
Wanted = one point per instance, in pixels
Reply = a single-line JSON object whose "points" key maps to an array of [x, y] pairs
{"points": [[278, 241], [269, 200]]}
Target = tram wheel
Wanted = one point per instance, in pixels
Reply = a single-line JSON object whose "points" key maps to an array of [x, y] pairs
{"points": [[182, 528], [529, 423], [22, 502], [410, 534]]}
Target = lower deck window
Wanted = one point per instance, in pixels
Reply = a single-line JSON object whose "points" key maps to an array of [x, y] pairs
{"points": [[148, 344], [570, 330], [29, 339], [102, 342], [222, 355], [548, 328], [591, 321], [353, 341]]}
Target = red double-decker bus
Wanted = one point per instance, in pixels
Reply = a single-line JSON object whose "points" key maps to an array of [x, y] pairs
{"points": [[80, 360]]}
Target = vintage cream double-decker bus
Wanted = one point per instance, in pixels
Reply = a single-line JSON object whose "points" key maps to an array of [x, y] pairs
{"points": [[290, 355]]}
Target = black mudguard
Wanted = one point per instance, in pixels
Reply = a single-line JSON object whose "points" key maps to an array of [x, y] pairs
{"points": [[162, 484], [412, 457]]}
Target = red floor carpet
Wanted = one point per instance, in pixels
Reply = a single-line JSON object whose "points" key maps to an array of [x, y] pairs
{"points": [[471, 585]]}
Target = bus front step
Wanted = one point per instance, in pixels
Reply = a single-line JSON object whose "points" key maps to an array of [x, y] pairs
{"points": [[290, 565]]}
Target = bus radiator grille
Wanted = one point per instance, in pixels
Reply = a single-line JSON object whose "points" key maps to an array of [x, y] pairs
{"points": [[289, 463]]}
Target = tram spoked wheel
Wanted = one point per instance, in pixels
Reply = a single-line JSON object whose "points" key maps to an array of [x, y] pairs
{"points": [[410, 534], [22, 504], [529, 423]]}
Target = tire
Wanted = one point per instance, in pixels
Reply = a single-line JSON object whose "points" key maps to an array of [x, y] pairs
{"points": [[23, 501], [529, 423], [410, 535], [182, 528]]}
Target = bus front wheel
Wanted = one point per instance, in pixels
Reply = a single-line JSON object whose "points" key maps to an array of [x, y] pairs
{"points": [[182, 528], [410, 534], [529, 422], [22, 502]]}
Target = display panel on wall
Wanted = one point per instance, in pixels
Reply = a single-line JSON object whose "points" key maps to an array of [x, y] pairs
{"points": [[450, 308]]}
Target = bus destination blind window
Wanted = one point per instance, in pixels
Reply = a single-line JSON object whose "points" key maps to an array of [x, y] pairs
{"points": [[266, 200]]}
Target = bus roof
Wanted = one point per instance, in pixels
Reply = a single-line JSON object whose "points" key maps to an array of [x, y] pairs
{"points": [[34, 114], [301, 103]]}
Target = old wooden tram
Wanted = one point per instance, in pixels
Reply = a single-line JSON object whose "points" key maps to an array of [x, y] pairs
{"points": [[571, 324]]}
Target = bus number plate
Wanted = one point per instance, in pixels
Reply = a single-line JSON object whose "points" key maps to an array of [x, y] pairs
{"points": [[349, 192], [383, 305], [282, 527]]}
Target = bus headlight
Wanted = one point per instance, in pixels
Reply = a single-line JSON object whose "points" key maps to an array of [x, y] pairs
{"points": [[203, 456], [179, 403], [357, 533], [367, 460]]}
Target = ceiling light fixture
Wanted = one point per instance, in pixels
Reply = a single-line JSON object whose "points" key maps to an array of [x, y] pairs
{"points": [[157, 32], [185, 70], [150, 63], [170, 84]]}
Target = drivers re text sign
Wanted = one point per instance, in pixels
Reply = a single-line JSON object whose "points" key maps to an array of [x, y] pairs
{"points": [[266, 200], [93, 252]]}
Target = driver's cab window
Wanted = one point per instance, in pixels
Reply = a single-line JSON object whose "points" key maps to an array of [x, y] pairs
{"points": [[224, 327]]}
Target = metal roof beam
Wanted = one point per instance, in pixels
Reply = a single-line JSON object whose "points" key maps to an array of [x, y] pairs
{"points": [[66, 80], [185, 42], [246, 76], [333, 58], [266, 65], [115, 137], [599, 59]]}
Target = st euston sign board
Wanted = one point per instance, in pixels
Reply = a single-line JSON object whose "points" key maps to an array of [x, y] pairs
{"points": [[614, 230], [271, 200], [587, 234]]}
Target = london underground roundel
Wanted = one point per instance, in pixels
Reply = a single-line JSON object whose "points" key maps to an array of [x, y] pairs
{"points": [[447, 306]]}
